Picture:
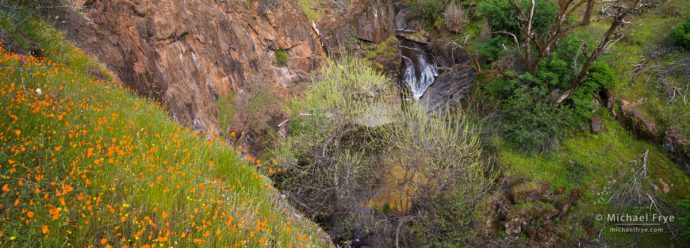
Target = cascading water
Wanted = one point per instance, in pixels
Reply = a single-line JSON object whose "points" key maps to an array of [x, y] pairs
{"points": [[418, 74]]}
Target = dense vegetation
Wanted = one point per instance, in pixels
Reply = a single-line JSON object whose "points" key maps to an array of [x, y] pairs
{"points": [[681, 35], [347, 130], [86, 163], [540, 118]]}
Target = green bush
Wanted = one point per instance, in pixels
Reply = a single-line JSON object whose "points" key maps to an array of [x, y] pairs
{"points": [[600, 77], [492, 49], [681, 35], [282, 57], [348, 133], [533, 125], [503, 16], [530, 120]]}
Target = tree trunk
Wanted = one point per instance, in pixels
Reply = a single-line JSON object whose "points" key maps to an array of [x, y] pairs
{"points": [[618, 20], [587, 18]]}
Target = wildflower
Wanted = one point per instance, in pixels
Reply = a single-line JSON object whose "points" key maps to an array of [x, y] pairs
{"points": [[208, 138], [30, 214], [6, 188], [45, 229], [104, 241], [39, 91]]}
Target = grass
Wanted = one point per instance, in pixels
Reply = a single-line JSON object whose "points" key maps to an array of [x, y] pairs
{"points": [[591, 163], [84, 162], [648, 32], [309, 8], [603, 156]]}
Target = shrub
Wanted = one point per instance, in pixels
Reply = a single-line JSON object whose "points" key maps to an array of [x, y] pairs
{"points": [[493, 48], [529, 119], [282, 57], [425, 8], [681, 34], [503, 16], [348, 130], [252, 116], [533, 125], [600, 77]]}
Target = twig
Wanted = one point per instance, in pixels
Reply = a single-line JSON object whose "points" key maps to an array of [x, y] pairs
{"points": [[644, 163]]}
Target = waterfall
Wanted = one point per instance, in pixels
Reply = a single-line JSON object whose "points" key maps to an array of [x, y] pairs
{"points": [[418, 75]]}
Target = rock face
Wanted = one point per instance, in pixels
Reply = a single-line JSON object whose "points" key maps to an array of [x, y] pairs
{"points": [[363, 24], [449, 88], [187, 54]]}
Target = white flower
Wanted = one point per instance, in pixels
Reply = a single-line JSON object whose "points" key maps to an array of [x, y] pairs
{"points": [[39, 91]]}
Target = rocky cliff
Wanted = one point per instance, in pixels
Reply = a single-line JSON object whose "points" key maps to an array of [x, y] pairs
{"points": [[187, 54]]}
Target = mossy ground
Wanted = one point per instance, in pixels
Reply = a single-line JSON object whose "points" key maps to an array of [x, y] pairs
{"points": [[591, 162], [650, 33], [84, 162]]}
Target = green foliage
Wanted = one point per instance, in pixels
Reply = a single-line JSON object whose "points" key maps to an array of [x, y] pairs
{"points": [[226, 111], [505, 17], [493, 48], [429, 11], [530, 120], [384, 52], [534, 125], [312, 9], [600, 77], [282, 57], [681, 34]]}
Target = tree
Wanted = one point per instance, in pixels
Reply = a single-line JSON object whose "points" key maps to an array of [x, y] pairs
{"points": [[622, 12], [545, 43]]}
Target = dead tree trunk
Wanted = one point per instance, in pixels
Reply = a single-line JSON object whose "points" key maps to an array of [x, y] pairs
{"points": [[618, 21], [587, 17]]}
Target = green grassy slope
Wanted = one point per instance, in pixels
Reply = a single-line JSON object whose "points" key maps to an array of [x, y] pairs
{"points": [[593, 162], [649, 34], [84, 162]]}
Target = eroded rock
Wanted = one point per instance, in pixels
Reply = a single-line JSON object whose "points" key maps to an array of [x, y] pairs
{"points": [[188, 54], [637, 122], [449, 89]]}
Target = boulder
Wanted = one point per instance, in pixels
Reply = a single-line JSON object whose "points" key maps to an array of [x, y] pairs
{"points": [[597, 124], [637, 121], [677, 144]]}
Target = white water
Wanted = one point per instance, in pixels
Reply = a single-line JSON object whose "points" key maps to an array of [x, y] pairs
{"points": [[418, 78]]}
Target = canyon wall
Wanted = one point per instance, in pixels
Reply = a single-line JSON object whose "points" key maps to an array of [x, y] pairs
{"points": [[187, 54]]}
